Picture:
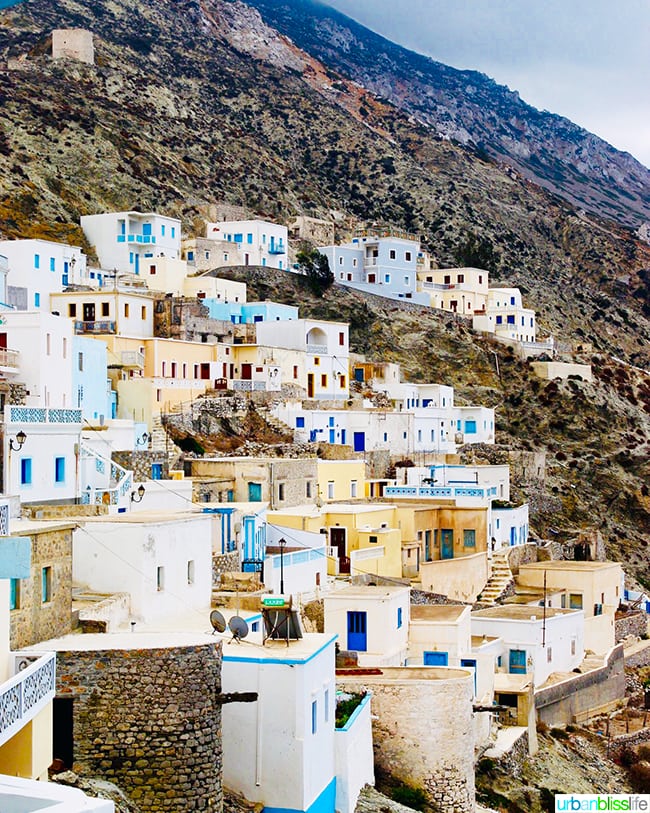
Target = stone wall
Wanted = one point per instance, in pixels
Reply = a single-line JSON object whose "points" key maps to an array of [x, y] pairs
{"points": [[148, 720], [633, 623], [521, 555], [583, 696], [224, 563], [36, 620], [140, 462], [640, 657], [423, 731]]}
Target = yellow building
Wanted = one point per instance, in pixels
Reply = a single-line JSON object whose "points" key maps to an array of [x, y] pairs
{"points": [[341, 480], [27, 680]]}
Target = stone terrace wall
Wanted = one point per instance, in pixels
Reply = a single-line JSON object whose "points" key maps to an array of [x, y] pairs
{"points": [[422, 735], [635, 623], [147, 720]]}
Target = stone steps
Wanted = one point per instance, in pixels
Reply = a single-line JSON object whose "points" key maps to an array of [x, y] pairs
{"points": [[499, 580]]}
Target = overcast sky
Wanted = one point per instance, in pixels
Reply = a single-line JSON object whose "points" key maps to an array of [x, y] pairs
{"points": [[588, 60]]}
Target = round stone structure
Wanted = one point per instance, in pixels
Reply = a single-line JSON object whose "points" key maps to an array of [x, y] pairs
{"points": [[146, 716]]}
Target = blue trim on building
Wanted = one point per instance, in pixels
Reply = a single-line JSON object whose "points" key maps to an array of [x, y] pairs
{"points": [[15, 557], [364, 702], [325, 803], [281, 661]]}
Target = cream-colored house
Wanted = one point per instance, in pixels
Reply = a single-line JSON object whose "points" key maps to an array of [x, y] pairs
{"points": [[460, 290], [593, 587]]}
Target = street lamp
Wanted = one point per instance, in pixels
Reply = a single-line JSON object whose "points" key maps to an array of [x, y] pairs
{"points": [[282, 543], [21, 437], [136, 496]]}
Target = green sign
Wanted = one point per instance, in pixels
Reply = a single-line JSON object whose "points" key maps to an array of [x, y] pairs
{"points": [[273, 601]]}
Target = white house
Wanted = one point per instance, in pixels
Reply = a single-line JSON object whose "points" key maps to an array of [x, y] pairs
{"points": [[510, 526], [372, 621], [537, 640], [163, 561], [326, 345], [125, 312], [296, 561], [279, 751], [124, 241], [255, 242], [506, 316], [38, 268]]}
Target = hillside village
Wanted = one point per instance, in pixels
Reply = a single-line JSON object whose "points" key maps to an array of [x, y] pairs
{"points": [[292, 625]]}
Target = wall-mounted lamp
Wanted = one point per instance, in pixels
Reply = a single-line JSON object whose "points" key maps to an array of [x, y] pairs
{"points": [[136, 496], [144, 438], [21, 437]]}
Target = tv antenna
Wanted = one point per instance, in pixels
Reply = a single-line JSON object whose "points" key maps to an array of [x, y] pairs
{"points": [[218, 622], [239, 628]]}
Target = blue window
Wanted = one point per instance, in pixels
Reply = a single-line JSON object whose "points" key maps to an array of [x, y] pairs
{"points": [[512, 300], [162, 230], [435, 658], [399, 617], [469, 538], [37, 300], [263, 260], [37, 260], [314, 717], [190, 256], [499, 320], [26, 471], [300, 423], [239, 238], [59, 469], [470, 427], [517, 662], [387, 279], [52, 264], [511, 319], [255, 626], [249, 239], [46, 584], [173, 232], [330, 422], [280, 265], [264, 239], [131, 257], [14, 593], [146, 229]]}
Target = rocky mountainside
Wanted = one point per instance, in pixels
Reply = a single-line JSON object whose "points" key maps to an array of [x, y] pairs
{"points": [[193, 102], [471, 109]]}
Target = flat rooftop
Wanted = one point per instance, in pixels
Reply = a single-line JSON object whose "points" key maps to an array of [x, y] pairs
{"points": [[437, 612], [570, 565], [370, 591], [520, 612], [403, 674]]}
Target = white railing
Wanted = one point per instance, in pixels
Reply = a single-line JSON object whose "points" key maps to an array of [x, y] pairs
{"points": [[317, 349], [9, 358], [21, 414], [24, 695], [109, 494], [132, 358]]}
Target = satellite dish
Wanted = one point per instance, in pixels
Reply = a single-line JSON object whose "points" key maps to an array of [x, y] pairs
{"points": [[218, 621], [238, 627]]}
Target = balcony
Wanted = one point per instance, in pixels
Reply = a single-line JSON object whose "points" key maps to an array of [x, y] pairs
{"points": [[247, 385], [9, 360], [21, 414], [142, 239], [24, 695], [277, 248], [94, 327], [132, 359], [316, 349]]}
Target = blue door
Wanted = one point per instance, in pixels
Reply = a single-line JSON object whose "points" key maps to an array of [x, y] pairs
{"points": [[358, 374], [446, 543], [254, 492], [359, 441], [332, 435], [517, 661], [156, 471], [343, 437], [357, 637], [470, 662], [435, 658], [513, 536], [137, 263]]}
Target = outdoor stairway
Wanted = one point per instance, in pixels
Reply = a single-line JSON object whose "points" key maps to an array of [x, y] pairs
{"points": [[499, 580], [159, 441], [275, 423]]}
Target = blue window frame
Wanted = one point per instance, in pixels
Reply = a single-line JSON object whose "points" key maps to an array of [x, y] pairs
{"points": [[37, 300], [59, 469], [52, 264], [470, 427], [511, 319], [173, 232], [314, 716], [239, 238], [300, 423], [162, 230], [499, 320], [399, 617], [330, 422], [37, 260], [512, 300], [26, 471], [517, 662], [46, 584], [14, 593], [469, 538], [255, 626], [146, 229], [249, 239]]}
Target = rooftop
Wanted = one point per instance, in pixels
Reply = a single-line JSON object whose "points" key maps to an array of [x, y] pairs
{"points": [[437, 612], [407, 674], [370, 591], [570, 565], [520, 612]]}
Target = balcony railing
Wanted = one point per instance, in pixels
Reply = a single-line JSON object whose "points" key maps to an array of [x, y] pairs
{"points": [[21, 414], [94, 327], [432, 491], [132, 358], [9, 359], [277, 248], [317, 349], [144, 239], [247, 385], [24, 695]]}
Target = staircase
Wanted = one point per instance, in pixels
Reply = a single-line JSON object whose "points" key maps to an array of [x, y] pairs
{"points": [[159, 441], [274, 423], [500, 579]]}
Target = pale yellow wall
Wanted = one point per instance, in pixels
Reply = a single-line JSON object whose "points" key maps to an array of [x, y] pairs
{"points": [[459, 579], [342, 473], [390, 564], [168, 277], [214, 288], [29, 752], [590, 582], [284, 358], [172, 350], [600, 633], [559, 369]]}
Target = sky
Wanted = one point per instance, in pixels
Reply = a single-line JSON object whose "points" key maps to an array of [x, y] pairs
{"points": [[588, 60]]}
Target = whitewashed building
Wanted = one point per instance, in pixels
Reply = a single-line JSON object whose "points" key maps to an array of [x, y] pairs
{"points": [[459, 290], [506, 316], [124, 241], [254, 242]]}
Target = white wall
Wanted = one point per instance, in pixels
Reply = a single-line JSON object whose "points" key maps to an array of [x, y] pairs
{"points": [[355, 765], [123, 556], [270, 754]]}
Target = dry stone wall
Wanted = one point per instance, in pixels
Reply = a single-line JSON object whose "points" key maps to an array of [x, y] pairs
{"points": [[148, 720], [634, 623]]}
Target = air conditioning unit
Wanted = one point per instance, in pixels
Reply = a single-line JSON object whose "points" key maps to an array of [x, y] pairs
{"points": [[22, 662]]}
